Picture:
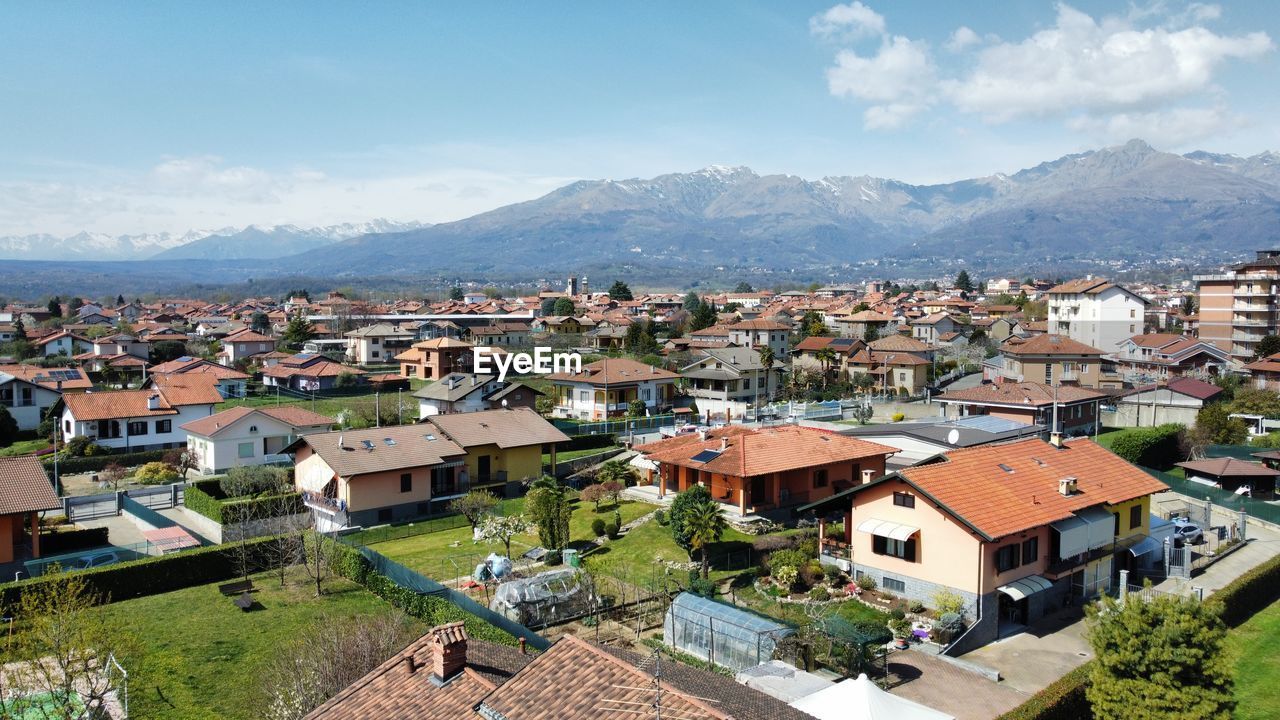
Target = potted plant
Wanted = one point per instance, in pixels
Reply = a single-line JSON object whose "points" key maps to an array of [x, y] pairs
{"points": [[901, 628]]}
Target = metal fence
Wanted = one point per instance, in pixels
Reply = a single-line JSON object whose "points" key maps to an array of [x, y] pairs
{"points": [[1222, 498], [620, 426], [90, 507], [144, 513]]}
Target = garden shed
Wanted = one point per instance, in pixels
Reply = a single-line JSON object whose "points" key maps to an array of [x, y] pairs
{"points": [[721, 634], [544, 599]]}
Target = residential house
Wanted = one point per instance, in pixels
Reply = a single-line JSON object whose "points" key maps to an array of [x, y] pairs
{"points": [[1095, 312], [249, 435], [377, 344], [606, 388], [805, 354], [1075, 409], [724, 382], [863, 324], [25, 493], [903, 344], [563, 325], [133, 420], [504, 334], [931, 328], [470, 392], [1178, 400], [357, 478], [1253, 479], [120, 352], [433, 359], [757, 333], [605, 336], [231, 383], [714, 336], [905, 373], [28, 392], [998, 329], [243, 344], [1160, 356], [307, 373], [1240, 307], [751, 470], [61, 342], [1015, 529], [1051, 359]]}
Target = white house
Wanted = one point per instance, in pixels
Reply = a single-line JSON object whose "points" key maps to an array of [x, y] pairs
{"points": [[471, 392], [754, 333], [606, 388], [1095, 312], [243, 344], [726, 381], [378, 343], [132, 420], [28, 391], [231, 382], [61, 343], [249, 436]]}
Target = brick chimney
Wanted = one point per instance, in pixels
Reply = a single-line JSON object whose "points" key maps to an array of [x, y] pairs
{"points": [[448, 651]]}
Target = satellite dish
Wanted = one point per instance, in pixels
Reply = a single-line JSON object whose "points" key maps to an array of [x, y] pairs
{"points": [[953, 437]]}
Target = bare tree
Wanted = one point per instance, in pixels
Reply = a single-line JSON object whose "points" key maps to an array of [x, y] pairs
{"points": [[318, 556], [474, 506], [329, 655], [113, 474]]}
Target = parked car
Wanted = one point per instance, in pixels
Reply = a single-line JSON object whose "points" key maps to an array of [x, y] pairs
{"points": [[93, 561], [1185, 531]]}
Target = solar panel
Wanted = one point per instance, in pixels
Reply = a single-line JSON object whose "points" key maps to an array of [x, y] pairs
{"points": [[706, 456]]}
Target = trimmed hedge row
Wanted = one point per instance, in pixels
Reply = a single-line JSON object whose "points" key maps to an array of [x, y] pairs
{"points": [[590, 442], [94, 463], [1063, 700], [1156, 447], [198, 498], [1248, 594], [349, 563], [155, 575], [72, 540]]}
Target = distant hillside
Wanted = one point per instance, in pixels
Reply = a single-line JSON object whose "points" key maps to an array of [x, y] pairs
{"points": [[254, 242]]}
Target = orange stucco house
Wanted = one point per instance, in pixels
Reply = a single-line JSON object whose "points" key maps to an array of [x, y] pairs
{"points": [[754, 470], [25, 491]]}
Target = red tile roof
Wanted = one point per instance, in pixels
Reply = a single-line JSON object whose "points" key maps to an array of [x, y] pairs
{"points": [[294, 416], [749, 451], [24, 486], [1030, 394], [1048, 345], [44, 377], [90, 406], [1228, 467], [615, 371]]}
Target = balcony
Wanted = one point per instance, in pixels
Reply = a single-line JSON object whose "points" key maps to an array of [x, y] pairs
{"points": [[1252, 307], [1248, 337], [1253, 292], [317, 501], [497, 478], [1244, 321]]}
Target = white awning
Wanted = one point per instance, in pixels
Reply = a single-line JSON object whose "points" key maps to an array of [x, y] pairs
{"points": [[642, 462], [1029, 585], [1073, 536], [1203, 481], [314, 480], [1102, 526], [1146, 545], [884, 528]]}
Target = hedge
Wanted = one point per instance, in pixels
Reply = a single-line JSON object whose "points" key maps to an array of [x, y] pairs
{"points": [[1241, 598], [197, 500], [230, 512], [1063, 700], [589, 442], [72, 540], [350, 564], [1156, 447], [94, 463], [155, 575]]}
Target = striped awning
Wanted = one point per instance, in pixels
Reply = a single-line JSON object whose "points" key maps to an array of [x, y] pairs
{"points": [[1029, 585], [884, 528]]}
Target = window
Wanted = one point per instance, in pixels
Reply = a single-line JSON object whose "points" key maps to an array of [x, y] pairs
{"points": [[905, 549], [164, 426], [819, 478], [244, 450], [894, 585], [906, 500], [1030, 550], [1007, 558], [406, 482], [1135, 517], [1048, 374], [1116, 515], [138, 427]]}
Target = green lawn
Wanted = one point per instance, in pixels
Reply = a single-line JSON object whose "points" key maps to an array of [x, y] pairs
{"points": [[199, 656], [1256, 648], [650, 542], [24, 447], [1106, 438]]}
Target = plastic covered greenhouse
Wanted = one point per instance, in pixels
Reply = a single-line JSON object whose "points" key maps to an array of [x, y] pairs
{"points": [[544, 599], [721, 634]]}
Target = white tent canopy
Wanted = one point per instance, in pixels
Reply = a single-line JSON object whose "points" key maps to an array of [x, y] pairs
{"points": [[860, 699]]}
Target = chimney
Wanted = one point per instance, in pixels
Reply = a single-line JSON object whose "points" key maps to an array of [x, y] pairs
{"points": [[1067, 486], [340, 446], [867, 475], [523, 643], [1055, 439], [153, 401], [702, 434], [448, 651], [724, 443]]}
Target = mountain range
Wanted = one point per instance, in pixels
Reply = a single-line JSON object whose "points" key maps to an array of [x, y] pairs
{"points": [[1129, 204]]}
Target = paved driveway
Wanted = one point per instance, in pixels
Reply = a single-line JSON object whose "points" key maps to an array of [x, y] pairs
{"points": [[1031, 660], [944, 686]]}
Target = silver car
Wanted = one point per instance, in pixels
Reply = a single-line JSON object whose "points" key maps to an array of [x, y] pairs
{"points": [[1186, 532]]}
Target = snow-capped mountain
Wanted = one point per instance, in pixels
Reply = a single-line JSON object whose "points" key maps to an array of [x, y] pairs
{"points": [[95, 246]]}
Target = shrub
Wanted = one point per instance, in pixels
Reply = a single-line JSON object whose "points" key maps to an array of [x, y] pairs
{"points": [[811, 573], [785, 575], [820, 594], [951, 621], [898, 417], [792, 558], [770, 543], [947, 603], [900, 627], [155, 473], [866, 583], [897, 614], [197, 500], [1156, 447], [597, 527], [611, 530], [660, 518], [916, 607], [254, 480], [699, 586], [832, 573], [72, 540], [102, 459], [552, 557], [1063, 700]]}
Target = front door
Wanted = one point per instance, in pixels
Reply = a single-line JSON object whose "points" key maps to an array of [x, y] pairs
{"points": [[758, 491], [482, 468]]}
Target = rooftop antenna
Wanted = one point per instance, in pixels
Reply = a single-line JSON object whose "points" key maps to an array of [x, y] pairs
{"points": [[652, 709]]}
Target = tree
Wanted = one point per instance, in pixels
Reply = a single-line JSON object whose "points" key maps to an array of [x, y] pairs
{"points": [[1256, 401], [474, 506], [259, 322], [502, 528], [319, 554], [593, 494], [742, 287], [8, 428], [119, 300], [328, 655], [455, 293], [63, 653], [19, 329], [682, 507], [705, 525], [547, 504], [1214, 426], [616, 472], [704, 316], [297, 332], [767, 358], [1269, 345], [74, 306], [1159, 658], [55, 306], [167, 350], [811, 325], [304, 294], [563, 306], [112, 474], [182, 460], [548, 306], [619, 291], [691, 301], [827, 357], [1188, 305], [963, 282]]}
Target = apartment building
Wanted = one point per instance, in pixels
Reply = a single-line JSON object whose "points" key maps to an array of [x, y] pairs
{"points": [[1095, 312], [1239, 307]]}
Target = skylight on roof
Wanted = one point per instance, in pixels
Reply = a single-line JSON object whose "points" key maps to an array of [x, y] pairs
{"points": [[389, 442], [429, 437], [1006, 468], [367, 444]]}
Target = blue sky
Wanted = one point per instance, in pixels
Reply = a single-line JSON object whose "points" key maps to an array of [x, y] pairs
{"points": [[147, 117]]}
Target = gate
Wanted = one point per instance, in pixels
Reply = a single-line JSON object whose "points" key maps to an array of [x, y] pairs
{"points": [[90, 507], [156, 498]]}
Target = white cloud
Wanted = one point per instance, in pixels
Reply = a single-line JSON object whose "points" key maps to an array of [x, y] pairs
{"points": [[854, 19], [898, 80], [962, 39], [1172, 129]]}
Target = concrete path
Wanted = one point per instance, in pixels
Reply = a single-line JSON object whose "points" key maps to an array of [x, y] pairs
{"points": [[949, 688], [1031, 660]]}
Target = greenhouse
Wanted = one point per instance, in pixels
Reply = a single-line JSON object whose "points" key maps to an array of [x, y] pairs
{"points": [[721, 634], [544, 599]]}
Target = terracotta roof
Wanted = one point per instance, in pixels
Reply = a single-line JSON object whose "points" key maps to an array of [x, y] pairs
{"points": [[1228, 467], [1030, 394], [505, 427], [866, 316], [247, 335], [1190, 387], [187, 389], [757, 452], [974, 485], [89, 406], [815, 342], [198, 365], [575, 680], [1271, 363], [48, 377], [24, 486], [899, 343], [290, 415], [316, 368], [758, 325], [615, 371], [932, 319], [1049, 345], [1159, 340]]}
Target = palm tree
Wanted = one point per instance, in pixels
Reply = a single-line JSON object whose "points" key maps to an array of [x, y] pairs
{"points": [[766, 359], [705, 525], [827, 357]]}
